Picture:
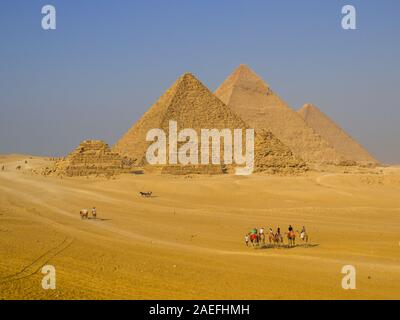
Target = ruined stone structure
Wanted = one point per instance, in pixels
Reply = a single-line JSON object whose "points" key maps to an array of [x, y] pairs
{"points": [[91, 157]]}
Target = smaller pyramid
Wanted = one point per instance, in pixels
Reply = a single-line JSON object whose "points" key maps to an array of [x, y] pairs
{"points": [[272, 156], [91, 157], [349, 148]]}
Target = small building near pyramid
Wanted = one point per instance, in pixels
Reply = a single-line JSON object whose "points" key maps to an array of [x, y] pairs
{"points": [[91, 157]]}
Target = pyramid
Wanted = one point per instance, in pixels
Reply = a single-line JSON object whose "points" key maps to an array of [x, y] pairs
{"points": [[91, 157], [253, 100], [191, 105], [337, 137]]}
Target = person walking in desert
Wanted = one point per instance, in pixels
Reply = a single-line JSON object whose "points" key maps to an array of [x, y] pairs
{"points": [[246, 239], [94, 213]]}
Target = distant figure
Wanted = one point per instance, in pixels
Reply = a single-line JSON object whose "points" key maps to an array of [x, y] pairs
{"points": [[94, 213], [246, 239], [2, 168], [84, 213], [279, 235], [254, 238], [291, 235], [262, 235], [146, 194], [271, 236], [303, 234], [18, 168]]}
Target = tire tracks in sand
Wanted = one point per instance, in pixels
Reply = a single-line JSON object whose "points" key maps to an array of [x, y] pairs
{"points": [[35, 265]]}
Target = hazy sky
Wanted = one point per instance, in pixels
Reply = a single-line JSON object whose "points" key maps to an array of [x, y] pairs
{"points": [[108, 61]]}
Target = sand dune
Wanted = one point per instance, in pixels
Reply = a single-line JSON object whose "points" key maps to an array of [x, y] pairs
{"points": [[187, 241]]}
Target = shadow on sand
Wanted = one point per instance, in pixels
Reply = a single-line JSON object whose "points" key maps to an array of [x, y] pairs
{"points": [[285, 246], [98, 219]]}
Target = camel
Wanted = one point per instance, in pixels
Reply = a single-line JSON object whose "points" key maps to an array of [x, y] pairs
{"points": [[255, 240], [291, 235], [303, 236], [84, 213], [18, 168], [275, 239], [262, 238], [145, 194]]}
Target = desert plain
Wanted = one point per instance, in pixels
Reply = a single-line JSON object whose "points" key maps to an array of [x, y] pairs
{"points": [[187, 240]]}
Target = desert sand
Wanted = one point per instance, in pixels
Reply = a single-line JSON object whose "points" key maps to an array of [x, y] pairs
{"points": [[186, 242]]}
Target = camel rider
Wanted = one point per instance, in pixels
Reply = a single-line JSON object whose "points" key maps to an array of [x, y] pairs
{"points": [[290, 228], [261, 231], [94, 212], [303, 232], [278, 233]]}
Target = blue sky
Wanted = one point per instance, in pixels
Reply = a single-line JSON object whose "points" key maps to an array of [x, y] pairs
{"points": [[108, 62]]}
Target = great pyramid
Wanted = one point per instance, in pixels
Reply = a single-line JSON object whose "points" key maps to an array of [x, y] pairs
{"points": [[192, 105], [91, 157], [252, 99], [335, 135]]}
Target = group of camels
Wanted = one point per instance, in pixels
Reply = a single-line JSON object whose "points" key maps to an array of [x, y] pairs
{"points": [[257, 238]]}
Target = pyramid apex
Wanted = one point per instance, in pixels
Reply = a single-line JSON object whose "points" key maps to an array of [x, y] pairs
{"points": [[309, 106], [245, 78], [243, 66], [243, 71], [188, 77]]}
